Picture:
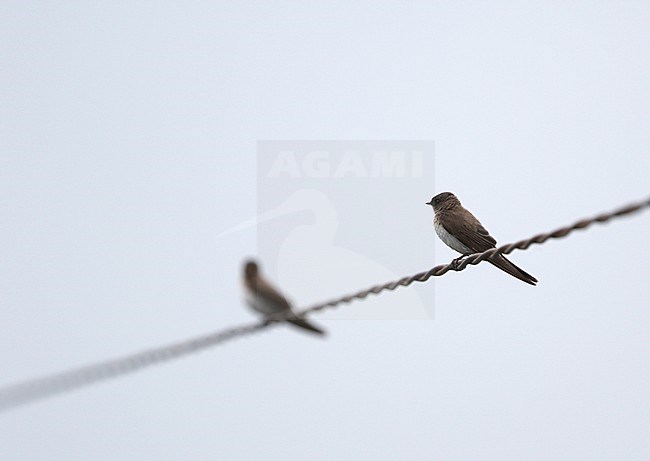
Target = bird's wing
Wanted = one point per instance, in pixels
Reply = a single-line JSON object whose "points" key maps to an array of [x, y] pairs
{"points": [[266, 290], [470, 233]]}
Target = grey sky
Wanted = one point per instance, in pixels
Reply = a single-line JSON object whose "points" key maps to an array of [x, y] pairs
{"points": [[128, 136]]}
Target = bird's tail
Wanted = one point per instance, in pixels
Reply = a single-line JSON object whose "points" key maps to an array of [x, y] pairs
{"points": [[505, 265], [302, 323]]}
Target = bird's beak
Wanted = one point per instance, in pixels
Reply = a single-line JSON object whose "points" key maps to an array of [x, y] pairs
{"points": [[428, 203]]}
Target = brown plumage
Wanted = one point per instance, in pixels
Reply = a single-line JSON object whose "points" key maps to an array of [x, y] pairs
{"points": [[265, 299], [461, 231]]}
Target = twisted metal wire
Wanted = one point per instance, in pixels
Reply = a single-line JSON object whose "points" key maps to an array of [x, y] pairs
{"points": [[477, 258], [29, 391]]}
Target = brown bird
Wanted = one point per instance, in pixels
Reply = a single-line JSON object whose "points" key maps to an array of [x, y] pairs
{"points": [[461, 231], [265, 299]]}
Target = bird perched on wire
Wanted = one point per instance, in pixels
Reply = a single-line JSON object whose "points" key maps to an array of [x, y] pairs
{"points": [[462, 232], [265, 299]]}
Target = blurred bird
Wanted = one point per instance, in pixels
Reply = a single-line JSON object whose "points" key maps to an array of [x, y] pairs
{"points": [[265, 299], [462, 232]]}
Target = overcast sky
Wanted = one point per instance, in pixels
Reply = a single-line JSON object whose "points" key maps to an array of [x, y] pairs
{"points": [[129, 142]]}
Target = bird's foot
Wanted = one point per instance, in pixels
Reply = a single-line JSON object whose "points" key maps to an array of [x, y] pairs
{"points": [[455, 264]]}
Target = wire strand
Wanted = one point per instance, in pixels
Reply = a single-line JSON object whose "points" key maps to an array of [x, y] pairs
{"points": [[28, 391], [477, 258]]}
